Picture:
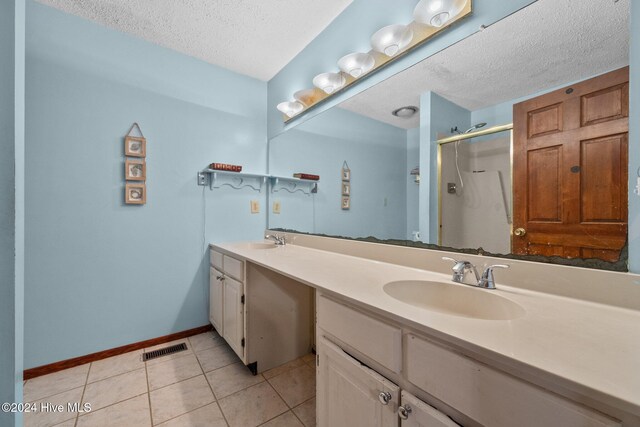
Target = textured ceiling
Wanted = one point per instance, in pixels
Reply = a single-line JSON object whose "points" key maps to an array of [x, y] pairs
{"points": [[252, 37], [547, 44]]}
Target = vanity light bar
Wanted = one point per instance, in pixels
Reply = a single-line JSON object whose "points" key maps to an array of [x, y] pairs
{"points": [[388, 44]]}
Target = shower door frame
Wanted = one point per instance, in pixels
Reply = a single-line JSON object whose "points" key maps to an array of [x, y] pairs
{"points": [[462, 137]]}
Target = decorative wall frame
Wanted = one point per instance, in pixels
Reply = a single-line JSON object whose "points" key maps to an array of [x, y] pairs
{"points": [[346, 172], [135, 146], [346, 189], [135, 194], [135, 170], [346, 203]]}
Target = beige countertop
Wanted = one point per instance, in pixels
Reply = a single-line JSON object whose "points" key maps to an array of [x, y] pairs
{"points": [[581, 347]]}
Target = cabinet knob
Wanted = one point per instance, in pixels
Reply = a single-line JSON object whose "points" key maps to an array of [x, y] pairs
{"points": [[520, 232], [404, 411], [384, 397]]}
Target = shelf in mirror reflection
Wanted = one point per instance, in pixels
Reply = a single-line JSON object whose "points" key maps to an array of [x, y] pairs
{"points": [[293, 185]]}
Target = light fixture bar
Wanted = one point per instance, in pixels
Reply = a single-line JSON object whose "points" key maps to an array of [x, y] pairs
{"points": [[431, 17]]}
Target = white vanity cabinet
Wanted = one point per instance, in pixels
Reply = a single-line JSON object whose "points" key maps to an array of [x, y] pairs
{"points": [[472, 392], [226, 299]]}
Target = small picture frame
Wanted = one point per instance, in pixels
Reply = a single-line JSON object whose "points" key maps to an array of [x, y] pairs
{"points": [[135, 194], [346, 174], [346, 189], [135, 170], [135, 146], [346, 203]]}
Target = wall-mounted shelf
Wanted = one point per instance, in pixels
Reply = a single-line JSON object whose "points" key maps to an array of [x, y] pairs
{"points": [[235, 180], [291, 185]]}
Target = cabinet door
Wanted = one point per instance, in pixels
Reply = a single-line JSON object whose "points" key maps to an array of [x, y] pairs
{"points": [[233, 315], [215, 299], [350, 394], [420, 414]]}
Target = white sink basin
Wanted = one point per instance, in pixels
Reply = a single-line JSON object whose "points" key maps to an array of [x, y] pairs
{"points": [[262, 246], [456, 300]]}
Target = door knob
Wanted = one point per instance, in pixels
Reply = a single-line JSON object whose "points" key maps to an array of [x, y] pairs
{"points": [[520, 232], [404, 411], [384, 397]]}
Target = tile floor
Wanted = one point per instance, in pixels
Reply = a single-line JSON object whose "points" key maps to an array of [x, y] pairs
{"points": [[206, 385]]}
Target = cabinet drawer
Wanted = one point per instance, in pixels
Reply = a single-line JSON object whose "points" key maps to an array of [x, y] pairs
{"points": [[379, 341], [216, 259], [234, 268], [489, 396]]}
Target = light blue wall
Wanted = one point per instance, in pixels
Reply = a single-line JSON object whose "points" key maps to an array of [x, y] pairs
{"points": [[12, 27], [634, 139], [99, 273], [351, 32], [413, 189], [376, 155], [437, 117]]}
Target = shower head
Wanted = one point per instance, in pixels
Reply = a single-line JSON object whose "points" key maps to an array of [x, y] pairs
{"points": [[475, 127]]}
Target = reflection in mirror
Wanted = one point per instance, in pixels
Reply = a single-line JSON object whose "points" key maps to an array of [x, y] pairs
{"points": [[475, 191], [555, 69]]}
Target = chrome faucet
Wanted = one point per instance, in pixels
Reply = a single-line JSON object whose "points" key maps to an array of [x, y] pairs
{"points": [[278, 240], [461, 268]]}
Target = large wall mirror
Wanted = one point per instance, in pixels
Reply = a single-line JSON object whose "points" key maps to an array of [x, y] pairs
{"points": [[513, 140]]}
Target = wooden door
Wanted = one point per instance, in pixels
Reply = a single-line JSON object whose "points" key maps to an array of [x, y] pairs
{"points": [[215, 299], [349, 392], [570, 170], [233, 315]]}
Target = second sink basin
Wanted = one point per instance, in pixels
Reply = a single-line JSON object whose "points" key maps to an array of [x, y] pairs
{"points": [[457, 300], [262, 245]]}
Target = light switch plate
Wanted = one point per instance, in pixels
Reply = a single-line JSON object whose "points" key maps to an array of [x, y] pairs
{"points": [[255, 207], [276, 207]]}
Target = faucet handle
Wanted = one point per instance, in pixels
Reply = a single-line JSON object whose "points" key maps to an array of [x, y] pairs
{"points": [[487, 281], [446, 258]]}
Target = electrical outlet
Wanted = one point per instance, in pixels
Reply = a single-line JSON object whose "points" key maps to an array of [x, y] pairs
{"points": [[202, 178], [255, 207], [276, 207]]}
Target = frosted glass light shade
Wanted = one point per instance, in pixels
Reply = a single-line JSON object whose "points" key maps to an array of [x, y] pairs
{"points": [[305, 96], [329, 82], [436, 13], [392, 39], [356, 64], [290, 108]]}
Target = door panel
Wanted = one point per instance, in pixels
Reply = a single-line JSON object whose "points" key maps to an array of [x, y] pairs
{"points": [[348, 392], [604, 105], [570, 170], [234, 315], [545, 121], [216, 300], [423, 414], [545, 183], [604, 165]]}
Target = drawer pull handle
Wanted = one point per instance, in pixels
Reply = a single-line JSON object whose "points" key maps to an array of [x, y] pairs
{"points": [[384, 397], [220, 277], [404, 411]]}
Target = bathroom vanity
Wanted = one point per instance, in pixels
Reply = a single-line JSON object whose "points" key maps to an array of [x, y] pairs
{"points": [[398, 343]]}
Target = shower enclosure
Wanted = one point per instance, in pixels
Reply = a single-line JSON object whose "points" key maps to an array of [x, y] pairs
{"points": [[474, 189]]}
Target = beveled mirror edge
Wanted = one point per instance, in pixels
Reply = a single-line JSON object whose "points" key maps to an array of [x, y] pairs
{"points": [[592, 263]]}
